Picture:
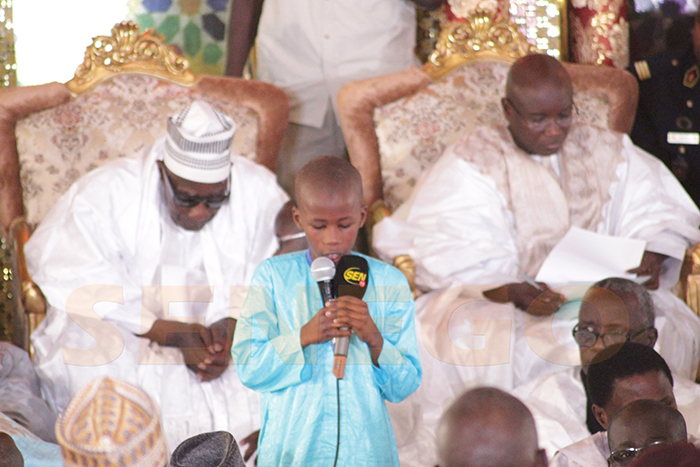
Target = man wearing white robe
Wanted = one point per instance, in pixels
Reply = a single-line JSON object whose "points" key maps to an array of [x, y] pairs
{"points": [[144, 264], [624, 374], [615, 309], [496, 203]]}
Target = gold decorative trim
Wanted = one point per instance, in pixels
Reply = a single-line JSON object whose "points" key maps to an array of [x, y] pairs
{"points": [[478, 38], [692, 285], [407, 266], [377, 212], [127, 50]]}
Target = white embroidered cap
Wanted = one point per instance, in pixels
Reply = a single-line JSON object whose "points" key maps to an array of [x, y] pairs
{"points": [[197, 144]]}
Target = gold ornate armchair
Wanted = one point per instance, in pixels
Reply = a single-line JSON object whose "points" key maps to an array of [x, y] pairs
{"points": [[397, 125], [116, 105]]}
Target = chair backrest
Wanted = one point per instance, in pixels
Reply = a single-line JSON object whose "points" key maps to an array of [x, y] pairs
{"points": [[397, 125]]}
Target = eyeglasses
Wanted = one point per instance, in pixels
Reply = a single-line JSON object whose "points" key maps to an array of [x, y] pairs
{"points": [[541, 123], [290, 237], [190, 201], [627, 455], [586, 337]]}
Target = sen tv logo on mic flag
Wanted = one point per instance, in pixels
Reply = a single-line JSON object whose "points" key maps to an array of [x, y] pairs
{"points": [[351, 276], [356, 277]]}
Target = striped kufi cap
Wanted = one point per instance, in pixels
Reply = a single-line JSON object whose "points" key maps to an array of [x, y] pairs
{"points": [[197, 144], [111, 423]]}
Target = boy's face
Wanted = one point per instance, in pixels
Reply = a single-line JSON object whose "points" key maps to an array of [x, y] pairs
{"points": [[331, 222]]}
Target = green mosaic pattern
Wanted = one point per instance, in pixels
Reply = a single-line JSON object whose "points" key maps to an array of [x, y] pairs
{"points": [[197, 28]]}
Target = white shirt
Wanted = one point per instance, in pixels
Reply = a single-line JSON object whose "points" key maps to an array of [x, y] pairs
{"points": [[310, 48], [592, 451]]}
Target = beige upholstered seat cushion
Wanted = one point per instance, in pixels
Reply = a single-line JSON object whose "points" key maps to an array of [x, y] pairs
{"points": [[117, 118]]}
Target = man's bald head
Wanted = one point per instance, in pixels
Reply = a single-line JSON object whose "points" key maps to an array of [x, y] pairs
{"points": [[329, 206], [539, 104], [536, 71], [328, 176], [289, 236], [487, 427], [642, 424], [644, 421]]}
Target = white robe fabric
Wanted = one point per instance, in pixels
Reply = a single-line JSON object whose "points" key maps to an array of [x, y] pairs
{"points": [[558, 404], [109, 242], [459, 229], [592, 451]]}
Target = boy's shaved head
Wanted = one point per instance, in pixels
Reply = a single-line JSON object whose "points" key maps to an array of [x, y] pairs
{"points": [[327, 176], [329, 206]]}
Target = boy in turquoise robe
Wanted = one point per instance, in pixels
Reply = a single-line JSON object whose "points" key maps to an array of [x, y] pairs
{"points": [[282, 345]]}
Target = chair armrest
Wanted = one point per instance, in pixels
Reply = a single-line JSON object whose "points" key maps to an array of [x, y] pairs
{"points": [[407, 266], [32, 300], [404, 263], [691, 267]]}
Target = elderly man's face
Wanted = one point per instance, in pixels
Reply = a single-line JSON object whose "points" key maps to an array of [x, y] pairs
{"points": [[191, 204], [609, 320], [539, 117]]}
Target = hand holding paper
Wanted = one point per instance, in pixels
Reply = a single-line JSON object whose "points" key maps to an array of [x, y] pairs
{"points": [[651, 268], [586, 257]]}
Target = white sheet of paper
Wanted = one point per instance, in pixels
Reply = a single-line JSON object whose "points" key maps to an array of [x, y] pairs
{"points": [[584, 256]]}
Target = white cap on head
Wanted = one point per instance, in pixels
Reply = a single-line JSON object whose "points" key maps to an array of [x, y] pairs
{"points": [[197, 144]]}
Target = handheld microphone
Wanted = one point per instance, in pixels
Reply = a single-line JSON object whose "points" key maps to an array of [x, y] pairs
{"points": [[351, 276], [323, 271]]}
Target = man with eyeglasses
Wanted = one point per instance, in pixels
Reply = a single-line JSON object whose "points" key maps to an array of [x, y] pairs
{"points": [[174, 234], [613, 312], [641, 425]]}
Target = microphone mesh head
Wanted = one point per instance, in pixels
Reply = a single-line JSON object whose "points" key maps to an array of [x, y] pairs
{"points": [[323, 269]]}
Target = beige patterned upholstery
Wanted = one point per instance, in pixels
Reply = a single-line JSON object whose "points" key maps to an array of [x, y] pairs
{"points": [[122, 100]]}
